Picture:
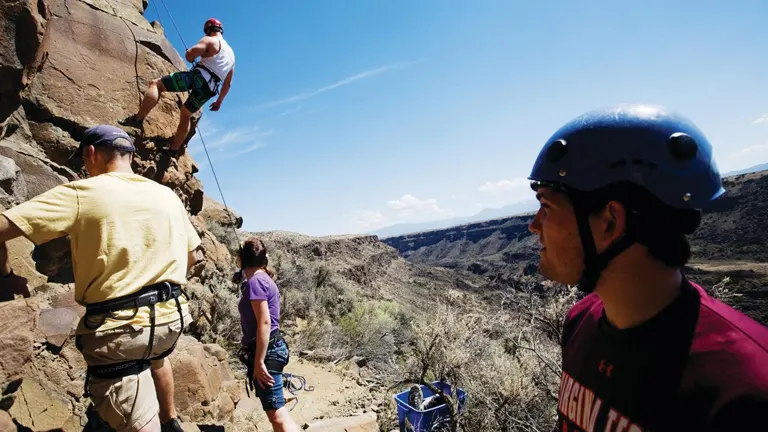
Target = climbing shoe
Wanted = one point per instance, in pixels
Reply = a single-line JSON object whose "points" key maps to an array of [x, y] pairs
{"points": [[415, 397], [171, 425], [131, 121]]}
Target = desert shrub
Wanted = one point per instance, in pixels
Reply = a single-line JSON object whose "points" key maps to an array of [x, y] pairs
{"points": [[314, 289], [215, 315], [373, 330], [725, 295], [507, 360], [225, 235], [322, 338]]}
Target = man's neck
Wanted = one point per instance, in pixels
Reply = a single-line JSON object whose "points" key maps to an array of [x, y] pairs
{"points": [[119, 168], [635, 287]]}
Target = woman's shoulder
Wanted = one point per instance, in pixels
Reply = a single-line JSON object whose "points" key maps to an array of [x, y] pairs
{"points": [[264, 279]]}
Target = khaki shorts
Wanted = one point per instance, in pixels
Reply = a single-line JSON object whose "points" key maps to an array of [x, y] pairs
{"points": [[127, 404]]}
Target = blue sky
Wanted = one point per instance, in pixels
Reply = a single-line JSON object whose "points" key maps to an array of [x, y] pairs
{"points": [[345, 116]]}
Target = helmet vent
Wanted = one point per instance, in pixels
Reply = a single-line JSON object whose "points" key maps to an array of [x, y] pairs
{"points": [[556, 150], [682, 146]]}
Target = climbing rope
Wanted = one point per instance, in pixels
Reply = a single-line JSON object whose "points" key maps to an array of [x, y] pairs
{"points": [[293, 388], [197, 127]]}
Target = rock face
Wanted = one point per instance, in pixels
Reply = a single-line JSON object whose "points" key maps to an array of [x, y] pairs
{"points": [[71, 64], [202, 377], [214, 211], [42, 373], [67, 65]]}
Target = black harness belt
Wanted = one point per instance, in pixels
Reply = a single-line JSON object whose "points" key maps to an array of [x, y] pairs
{"points": [[147, 296], [247, 353], [214, 77]]}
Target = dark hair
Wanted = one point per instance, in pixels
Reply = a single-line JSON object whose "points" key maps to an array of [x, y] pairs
{"points": [[657, 226], [254, 254]]}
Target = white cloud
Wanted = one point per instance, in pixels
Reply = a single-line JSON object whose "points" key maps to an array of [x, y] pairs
{"points": [[369, 220], [224, 143], [762, 119], [410, 207], [751, 151], [340, 83], [247, 137], [504, 192], [504, 185]]}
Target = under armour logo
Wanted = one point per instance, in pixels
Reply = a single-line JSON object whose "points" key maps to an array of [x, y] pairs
{"points": [[605, 368]]}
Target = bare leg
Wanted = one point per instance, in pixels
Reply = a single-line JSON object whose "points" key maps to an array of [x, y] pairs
{"points": [[281, 420], [183, 129], [151, 97], [163, 377]]}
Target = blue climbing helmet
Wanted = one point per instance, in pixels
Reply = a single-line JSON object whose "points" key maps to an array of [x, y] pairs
{"points": [[660, 151]]}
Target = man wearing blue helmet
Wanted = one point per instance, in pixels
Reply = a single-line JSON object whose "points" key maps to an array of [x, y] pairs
{"points": [[646, 349]]}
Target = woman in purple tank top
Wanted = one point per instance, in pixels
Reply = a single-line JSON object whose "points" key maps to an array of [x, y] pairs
{"points": [[264, 351]]}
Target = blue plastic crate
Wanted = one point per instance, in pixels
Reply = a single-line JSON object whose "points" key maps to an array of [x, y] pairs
{"points": [[411, 419]]}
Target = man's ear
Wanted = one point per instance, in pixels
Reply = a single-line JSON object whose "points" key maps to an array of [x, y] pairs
{"points": [[610, 224]]}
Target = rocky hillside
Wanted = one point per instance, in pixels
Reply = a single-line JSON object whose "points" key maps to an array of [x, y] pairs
{"points": [[732, 242]]}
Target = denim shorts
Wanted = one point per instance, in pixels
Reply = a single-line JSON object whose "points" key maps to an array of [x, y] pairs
{"points": [[272, 398]]}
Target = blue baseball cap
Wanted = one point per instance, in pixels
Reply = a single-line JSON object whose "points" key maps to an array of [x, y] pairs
{"points": [[105, 136]]}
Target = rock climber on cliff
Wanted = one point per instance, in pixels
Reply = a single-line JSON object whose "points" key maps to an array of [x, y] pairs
{"points": [[132, 246], [216, 66], [620, 188]]}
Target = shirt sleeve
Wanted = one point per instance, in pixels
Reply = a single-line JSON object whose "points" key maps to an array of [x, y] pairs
{"points": [[49, 215], [193, 240], [257, 290]]}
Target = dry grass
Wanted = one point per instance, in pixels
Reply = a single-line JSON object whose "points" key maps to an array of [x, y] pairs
{"points": [[508, 361]]}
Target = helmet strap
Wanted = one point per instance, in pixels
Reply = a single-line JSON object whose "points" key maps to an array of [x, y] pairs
{"points": [[595, 263]]}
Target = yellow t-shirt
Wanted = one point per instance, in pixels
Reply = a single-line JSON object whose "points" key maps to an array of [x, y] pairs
{"points": [[126, 232]]}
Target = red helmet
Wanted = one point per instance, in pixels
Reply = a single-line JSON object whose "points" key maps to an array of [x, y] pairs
{"points": [[213, 24]]}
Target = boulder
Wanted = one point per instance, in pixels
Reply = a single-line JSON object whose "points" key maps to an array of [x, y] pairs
{"points": [[359, 423], [22, 35], [214, 212], [198, 376], [18, 319], [38, 408], [13, 188]]}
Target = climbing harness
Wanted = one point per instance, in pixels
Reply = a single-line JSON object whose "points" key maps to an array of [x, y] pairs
{"points": [[214, 78], [246, 355], [199, 132], [147, 296]]}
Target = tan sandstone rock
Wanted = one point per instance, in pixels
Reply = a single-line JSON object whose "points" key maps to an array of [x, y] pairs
{"points": [[18, 320]]}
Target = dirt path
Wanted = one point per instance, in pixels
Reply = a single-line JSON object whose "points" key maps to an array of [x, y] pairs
{"points": [[726, 266], [334, 395]]}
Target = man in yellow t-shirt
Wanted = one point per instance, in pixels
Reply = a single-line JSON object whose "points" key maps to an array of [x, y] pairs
{"points": [[131, 239]]}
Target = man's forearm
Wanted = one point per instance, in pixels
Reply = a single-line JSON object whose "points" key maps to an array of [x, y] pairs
{"points": [[8, 231], [5, 263], [223, 93]]}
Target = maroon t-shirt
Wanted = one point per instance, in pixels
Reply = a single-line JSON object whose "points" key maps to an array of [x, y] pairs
{"points": [[698, 365]]}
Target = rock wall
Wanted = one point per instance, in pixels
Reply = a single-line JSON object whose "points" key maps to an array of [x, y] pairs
{"points": [[66, 65], [70, 64], [42, 372]]}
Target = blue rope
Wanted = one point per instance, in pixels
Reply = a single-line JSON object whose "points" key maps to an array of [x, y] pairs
{"points": [[292, 388]]}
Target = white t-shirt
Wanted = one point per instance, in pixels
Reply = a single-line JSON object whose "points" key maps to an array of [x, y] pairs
{"points": [[220, 63]]}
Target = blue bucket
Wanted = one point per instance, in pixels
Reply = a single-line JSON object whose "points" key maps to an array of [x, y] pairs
{"points": [[411, 419]]}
